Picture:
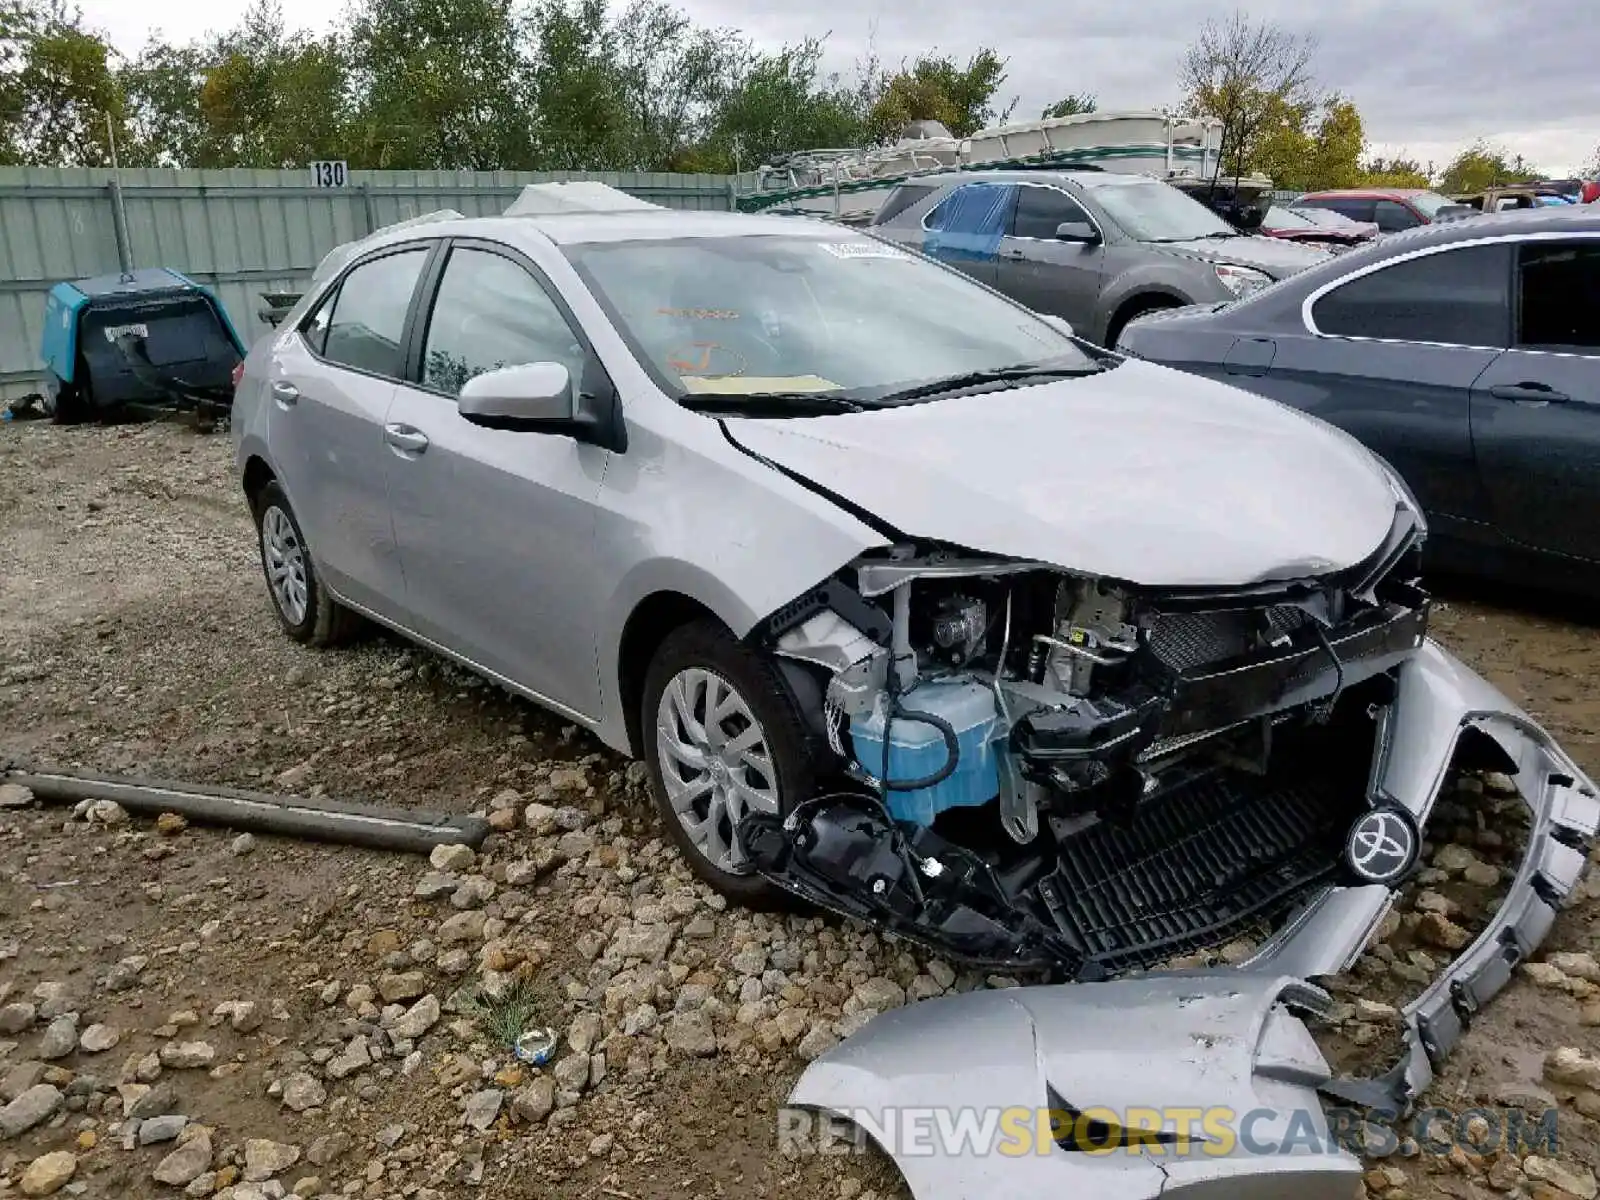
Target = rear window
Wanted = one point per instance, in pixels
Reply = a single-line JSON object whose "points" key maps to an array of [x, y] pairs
{"points": [[902, 198], [1558, 287]]}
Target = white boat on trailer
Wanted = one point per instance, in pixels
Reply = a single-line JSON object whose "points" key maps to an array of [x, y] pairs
{"points": [[849, 185]]}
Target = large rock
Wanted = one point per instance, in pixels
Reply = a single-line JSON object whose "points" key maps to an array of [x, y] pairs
{"points": [[453, 857], [482, 1108], [17, 1017], [1574, 1181], [649, 942], [691, 1033], [48, 1173], [188, 1056], [416, 1020], [534, 1102], [187, 1163], [35, 1106], [264, 1158], [354, 1057], [406, 986], [97, 1039], [59, 1040], [302, 1091]]}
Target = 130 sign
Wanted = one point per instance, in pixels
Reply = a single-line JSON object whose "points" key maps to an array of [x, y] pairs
{"points": [[330, 173]]}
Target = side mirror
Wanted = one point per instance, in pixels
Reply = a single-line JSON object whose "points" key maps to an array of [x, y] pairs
{"points": [[1077, 231], [536, 397]]}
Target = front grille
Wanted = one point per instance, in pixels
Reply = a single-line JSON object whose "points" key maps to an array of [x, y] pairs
{"points": [[1197, 867], [1184, 641]]}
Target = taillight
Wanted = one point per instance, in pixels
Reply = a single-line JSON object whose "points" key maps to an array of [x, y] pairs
{"points": [[238, 374]]}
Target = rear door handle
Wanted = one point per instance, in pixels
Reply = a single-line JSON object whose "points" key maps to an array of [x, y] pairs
{"points": [[1013, 255], [284, 392], [1528, 391], [404, 437]]}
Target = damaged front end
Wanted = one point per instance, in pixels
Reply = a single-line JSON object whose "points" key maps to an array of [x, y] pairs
{"points": [[1070, 774], [1210, 1082]]}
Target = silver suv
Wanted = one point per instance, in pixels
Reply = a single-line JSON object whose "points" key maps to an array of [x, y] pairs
{"points": [[1094, 248]]}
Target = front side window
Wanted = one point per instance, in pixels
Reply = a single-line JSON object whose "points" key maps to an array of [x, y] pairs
{"points": [[785, 313], [1429, 203], [369, 314], [1353, 208], [1456, 297], [1040, 210], [490, 313], [1558, 296]]}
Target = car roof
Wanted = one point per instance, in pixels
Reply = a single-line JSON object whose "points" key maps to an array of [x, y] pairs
{"points": [[1555, 218], [629, 225], [1029, 174], [1367, 193]]}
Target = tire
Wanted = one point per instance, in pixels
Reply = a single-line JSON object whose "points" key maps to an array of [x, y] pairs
{"points": [[305, 609], [1137, 309], [64, 401], [702, 657]]}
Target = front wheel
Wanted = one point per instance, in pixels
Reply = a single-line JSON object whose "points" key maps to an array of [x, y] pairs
{"points": [[721, 738], [304, 607]]}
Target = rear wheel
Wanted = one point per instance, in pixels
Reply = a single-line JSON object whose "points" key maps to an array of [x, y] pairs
{"points": [[1135, 308], [721, 738], [304, 607]]}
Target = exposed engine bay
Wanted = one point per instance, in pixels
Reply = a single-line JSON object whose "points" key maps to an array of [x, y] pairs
{"points": [[1043, 770]]}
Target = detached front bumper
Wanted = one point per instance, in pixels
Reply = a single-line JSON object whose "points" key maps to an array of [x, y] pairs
{"points": [[1214, 1065]]}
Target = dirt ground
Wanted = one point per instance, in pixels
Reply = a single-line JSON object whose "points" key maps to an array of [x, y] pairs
{"points": [[136, 637]]}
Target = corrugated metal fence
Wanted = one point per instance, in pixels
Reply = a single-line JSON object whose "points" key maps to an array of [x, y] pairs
{"points": [[243, 232]]}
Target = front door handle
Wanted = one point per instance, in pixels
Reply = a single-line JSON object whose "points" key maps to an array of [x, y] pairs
{"points": [[1528, 391], [284, 392], [404, 437], [1013, 255]]}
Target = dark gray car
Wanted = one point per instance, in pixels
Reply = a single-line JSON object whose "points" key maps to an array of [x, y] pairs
{"points": [[1093, 247], [1466, 353]]}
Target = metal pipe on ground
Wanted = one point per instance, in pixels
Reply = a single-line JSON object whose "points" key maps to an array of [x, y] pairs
{"points": [[367, 825]]}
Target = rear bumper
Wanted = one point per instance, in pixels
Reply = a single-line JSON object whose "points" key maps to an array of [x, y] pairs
{"points": [[1220, 1045]]}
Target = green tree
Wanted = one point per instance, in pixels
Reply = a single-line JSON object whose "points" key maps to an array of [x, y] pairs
{"points": [[580, 114], [438, 84], [782, 102], [161, 96], [1592, 171], [673, 77], [1251, 77], [65, 87], [1071, 106], [1482, 166], [18, 21], [935, 88], [1398, 172]]}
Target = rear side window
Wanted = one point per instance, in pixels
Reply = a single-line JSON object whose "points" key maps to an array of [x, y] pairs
{"points": [[1393, 217], [1457, 297], [369, 314], [490, 313], [902, 198], [1558, 291], [1041, 209], [1346, 206]]}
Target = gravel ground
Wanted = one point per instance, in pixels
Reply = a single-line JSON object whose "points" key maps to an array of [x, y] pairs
{"points": [[184, 1010]]}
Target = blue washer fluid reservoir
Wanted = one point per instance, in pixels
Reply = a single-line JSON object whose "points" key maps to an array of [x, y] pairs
{"points": [[917, 749]]}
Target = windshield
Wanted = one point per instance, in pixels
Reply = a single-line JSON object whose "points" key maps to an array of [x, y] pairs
{"points": [[817, 313], [1151, 211], [1282, 218], [1429, 203]]}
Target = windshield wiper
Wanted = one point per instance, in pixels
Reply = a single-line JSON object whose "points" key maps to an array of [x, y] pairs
{"points": [[748, 403], [1017, 374]]}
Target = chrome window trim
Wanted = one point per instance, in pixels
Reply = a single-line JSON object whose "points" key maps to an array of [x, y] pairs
{"points": [[1051, 187], [1318, 293]]}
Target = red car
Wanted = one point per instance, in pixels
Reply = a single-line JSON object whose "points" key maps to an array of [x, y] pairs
{"points": [[1390, 209], [1316, 226]]}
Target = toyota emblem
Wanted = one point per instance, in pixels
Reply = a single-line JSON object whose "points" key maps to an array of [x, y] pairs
{"points": [[1382, 845]]}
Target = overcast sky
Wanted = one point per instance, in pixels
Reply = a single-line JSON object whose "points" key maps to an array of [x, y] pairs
{"points": [[1421, 71]]}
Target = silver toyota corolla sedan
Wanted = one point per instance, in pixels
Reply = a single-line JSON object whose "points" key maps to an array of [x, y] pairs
{"points": [[918, 608]]}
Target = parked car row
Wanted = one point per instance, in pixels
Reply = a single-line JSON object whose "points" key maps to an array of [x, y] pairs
{"points": [[1465, 353]]}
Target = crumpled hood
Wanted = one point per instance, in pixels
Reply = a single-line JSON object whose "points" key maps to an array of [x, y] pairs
{"points": [[1140, 473], [1275, 256]]}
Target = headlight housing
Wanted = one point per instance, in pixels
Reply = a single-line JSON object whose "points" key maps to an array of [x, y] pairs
{"points": [[1402, 491], [1241, 281]]}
